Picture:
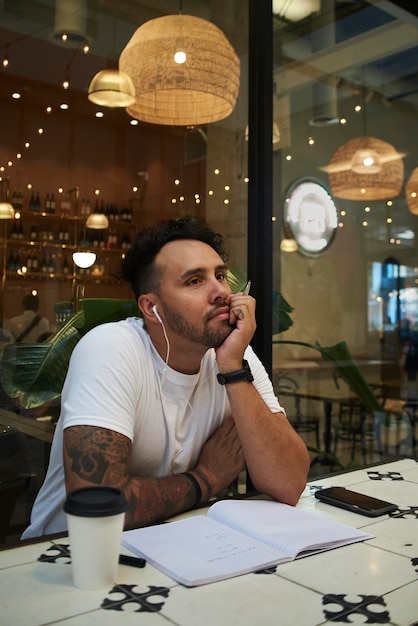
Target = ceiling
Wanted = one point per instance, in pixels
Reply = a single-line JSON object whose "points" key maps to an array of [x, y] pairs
{"points": [[351, 45]]}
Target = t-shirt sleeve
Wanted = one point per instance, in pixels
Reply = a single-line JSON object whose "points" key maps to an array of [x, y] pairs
{"points": [[262, 381], [103, 381]]}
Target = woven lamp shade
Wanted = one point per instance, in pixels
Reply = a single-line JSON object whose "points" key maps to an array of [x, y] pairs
{"points": [[385, 179], [201, 90], [411, 192]]}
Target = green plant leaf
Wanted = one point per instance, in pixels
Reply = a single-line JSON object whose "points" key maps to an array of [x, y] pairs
{"points": [[281, 310], [237, 279], [341, 357], [36, 372]]}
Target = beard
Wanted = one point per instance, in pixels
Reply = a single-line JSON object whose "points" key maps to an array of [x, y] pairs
{"points": [[203, 336]]}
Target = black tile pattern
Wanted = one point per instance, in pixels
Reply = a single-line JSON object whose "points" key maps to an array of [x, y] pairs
{"points": [[411, 511], [55, 553], [142, 598], [62, 551], [374, 475], [363, 607]]}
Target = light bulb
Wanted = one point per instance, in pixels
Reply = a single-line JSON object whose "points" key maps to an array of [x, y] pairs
{"points": [[180, 57]]}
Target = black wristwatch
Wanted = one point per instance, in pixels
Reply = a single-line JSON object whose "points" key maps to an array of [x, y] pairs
{"points": [[237, 376]]}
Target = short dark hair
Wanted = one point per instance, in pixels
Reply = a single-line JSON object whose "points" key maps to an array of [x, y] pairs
{"points": [[30, 302], [138, 265]]}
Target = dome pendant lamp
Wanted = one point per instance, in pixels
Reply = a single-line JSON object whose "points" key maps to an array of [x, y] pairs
{"points": [[366, 168], [184, 70]]}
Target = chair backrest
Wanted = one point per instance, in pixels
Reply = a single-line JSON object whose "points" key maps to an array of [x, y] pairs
{"points": [[286, 383], [380, 391], [355, 412]]}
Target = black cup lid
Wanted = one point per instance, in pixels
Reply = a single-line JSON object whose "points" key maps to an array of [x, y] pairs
{"points": [[95, 502]]}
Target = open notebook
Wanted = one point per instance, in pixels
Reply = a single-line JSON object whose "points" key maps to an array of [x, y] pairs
{"points": [[236, 537]]}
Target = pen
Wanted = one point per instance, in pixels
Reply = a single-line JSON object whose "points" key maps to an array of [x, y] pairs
{"points": [[133, 561], [247, 288]]}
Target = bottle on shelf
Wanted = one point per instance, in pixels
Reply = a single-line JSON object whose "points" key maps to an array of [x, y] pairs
{"points": [[11, 263], [52, 203], [51, 265], [20, 233], [44, 265], [37, 202], [34, 262], [32, 202], [29, 263], [47, 205], [14, 232], [112, 238], [65, 267], [33, 235], [126, 242], [94, 238]]}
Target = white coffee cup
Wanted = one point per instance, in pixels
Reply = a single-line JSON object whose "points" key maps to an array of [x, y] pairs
{"points": [[95, 518]]}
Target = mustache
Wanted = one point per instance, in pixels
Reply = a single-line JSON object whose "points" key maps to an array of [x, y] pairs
{"points": [[215, 309]]}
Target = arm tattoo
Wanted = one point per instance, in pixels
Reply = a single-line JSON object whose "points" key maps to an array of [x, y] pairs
{"points": [[97, 455], [100, 456]]}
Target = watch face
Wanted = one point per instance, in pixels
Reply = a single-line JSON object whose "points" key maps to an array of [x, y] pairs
{"points": [[310, 216]]}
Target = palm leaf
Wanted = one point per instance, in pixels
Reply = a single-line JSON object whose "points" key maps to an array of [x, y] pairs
{"points": [[36, 372], [281, 313], [237, 279], [341, 357]]}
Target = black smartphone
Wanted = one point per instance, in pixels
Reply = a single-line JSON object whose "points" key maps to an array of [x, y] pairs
{"points": [[354, 501]]}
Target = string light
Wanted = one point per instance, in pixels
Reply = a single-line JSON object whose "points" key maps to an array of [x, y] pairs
{"points": [[6, 58]]}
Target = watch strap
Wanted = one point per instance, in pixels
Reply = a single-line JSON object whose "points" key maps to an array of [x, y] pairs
{"points": [[237, 376]]}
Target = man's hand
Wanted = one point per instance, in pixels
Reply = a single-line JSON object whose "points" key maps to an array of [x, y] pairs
{"points": [[230, 353], [220, 461]]}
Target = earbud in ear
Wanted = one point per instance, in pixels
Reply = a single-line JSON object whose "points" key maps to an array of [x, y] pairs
{"points": [[157, 315]]}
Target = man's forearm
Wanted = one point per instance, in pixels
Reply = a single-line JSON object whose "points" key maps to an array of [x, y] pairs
{"points": [[99, 456], [154, 499], [276, 456]]}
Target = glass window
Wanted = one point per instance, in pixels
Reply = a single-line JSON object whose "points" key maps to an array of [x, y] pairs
{"points": [[345, 104], [64, 158]]}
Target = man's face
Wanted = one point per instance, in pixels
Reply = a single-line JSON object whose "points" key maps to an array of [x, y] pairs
{"points": [[194, 292]]}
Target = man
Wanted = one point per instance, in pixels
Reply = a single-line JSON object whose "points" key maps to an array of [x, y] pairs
{"points": [[143, 408], [30, 326]]}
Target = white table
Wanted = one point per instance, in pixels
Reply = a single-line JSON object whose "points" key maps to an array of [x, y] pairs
{"points": [[373, 582]]}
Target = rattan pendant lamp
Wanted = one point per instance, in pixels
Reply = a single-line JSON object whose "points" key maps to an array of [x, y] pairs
{"points": [[184, 70], [411, 192], [366, 168]]}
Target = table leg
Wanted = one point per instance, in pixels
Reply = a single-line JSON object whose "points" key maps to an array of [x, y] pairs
{"points": [[327, 431]]}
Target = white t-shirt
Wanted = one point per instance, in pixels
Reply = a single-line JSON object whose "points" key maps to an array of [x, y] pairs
{"points": [[117, 380]]}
